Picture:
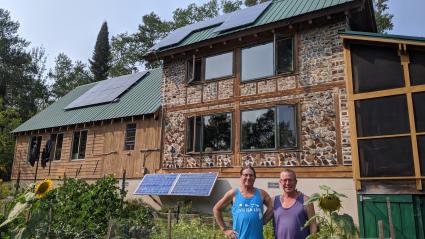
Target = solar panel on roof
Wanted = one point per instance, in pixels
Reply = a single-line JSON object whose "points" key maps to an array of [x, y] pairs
{"points": [[106, 91], [185, 184], [179, 34], [194, 184], [156, 184], [243, 17]]}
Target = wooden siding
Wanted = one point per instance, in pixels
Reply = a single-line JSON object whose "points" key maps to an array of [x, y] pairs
{"points": [[105, 152]]}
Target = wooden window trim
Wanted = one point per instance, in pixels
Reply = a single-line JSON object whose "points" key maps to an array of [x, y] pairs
{"points": [[125, 137], [79, 144]]}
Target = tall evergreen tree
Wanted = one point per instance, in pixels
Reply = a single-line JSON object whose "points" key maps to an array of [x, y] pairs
{"points": [[382, 17], [100, 63]]}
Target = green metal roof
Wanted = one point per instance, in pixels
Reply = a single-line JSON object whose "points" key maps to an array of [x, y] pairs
{"points": [[277, 11], [382, 35], [143, 98]]}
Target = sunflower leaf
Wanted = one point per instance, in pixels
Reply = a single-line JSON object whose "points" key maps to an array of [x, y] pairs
{"points": [[16, 211]]}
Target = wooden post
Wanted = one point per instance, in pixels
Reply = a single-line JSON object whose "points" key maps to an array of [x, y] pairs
{"points": [[169, 224], [36, 171], [381, 230], [108, 235], [123, 188], [390, 219], [18, 181], [50, 219]]}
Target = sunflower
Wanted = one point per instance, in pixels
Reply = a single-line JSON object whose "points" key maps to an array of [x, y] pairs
{"points": [[41, 189]]}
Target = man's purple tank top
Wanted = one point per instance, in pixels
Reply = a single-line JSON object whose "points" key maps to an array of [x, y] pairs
{"points": [[289, 222]]}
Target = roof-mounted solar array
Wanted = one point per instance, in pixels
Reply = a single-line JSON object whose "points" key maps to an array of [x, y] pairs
{"points": [[228, 21], [179, 34], [106, 91], [184, 184], [243, 17]]}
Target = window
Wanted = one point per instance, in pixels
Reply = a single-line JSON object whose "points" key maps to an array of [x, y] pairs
{"points": [[194, 70], [34, 149], [130, 136], [209, 133], [284, 54], [259, 127], [257, 62], [268, 59], [216, 66], [417, 67], [56, 146], [219, 66], [79, 141]]}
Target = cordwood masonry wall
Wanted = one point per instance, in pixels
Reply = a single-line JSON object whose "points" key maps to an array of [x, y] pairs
{"points": [[317, 87]]}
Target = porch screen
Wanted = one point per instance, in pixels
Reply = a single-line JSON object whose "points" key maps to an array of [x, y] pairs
{"points": [[376, 68], [417, 67]]}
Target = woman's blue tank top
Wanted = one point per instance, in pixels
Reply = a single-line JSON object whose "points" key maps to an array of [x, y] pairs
{"points": [[247, 216]]}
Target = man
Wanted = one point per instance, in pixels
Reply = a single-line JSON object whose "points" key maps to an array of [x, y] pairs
{"points": [[289, 212], [247, 209]]}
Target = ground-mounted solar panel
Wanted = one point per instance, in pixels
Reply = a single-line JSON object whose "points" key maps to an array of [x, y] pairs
{"points": [[243, 17], [194, 184], [179, 34], [184, 184], [156, 184], [106, 91]]}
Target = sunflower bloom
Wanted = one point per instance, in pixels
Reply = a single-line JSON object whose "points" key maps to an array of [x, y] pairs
{"points": [[41, 189]]}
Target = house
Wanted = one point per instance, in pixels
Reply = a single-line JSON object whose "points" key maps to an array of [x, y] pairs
{"points": [[88, 135], [386, 98], [263, 86]]}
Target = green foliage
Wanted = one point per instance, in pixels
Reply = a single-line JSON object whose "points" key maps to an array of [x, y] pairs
{"points": [[331, 224], [230, 6], [100, 62], [193, 228], [268, 231], [382, 17], [67, 75]]}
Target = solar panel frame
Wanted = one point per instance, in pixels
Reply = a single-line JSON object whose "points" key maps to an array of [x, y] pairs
{"points": [[106, 91], [177, 184], [244, 17], [204, 184], [161, 183]]}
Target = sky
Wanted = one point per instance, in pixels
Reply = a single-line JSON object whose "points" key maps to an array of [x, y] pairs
{"points": [[71, 27]]}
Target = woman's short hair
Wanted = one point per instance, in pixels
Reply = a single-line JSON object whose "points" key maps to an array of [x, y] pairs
{"points": [[248, 167]]}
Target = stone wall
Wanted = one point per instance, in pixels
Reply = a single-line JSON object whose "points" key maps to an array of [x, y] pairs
{"points": [[320, 62]]}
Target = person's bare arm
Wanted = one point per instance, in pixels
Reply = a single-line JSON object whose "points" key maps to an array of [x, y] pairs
{"points": [[223, 202], [310, 213], [269, 204]]}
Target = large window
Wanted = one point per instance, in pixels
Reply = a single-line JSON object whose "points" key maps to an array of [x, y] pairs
{"points": [[79, 141], [268, 59], [269, 128], [219, 66], [209, 133], [130, 136], [216, 66], [34, 149], [56, 141]]}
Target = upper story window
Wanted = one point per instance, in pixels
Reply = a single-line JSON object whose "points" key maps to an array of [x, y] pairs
{"points": [[130, 136], [219, 66], [268, 59], [269, 128], [34, 149], [209, 68], [79, 142], [56, 141], [209, 133]]}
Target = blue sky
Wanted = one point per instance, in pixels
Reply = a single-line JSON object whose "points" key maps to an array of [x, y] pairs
{"points": [[72, 26]]}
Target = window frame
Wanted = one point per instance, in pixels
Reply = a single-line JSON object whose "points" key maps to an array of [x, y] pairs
{"points": [[38, 142], [79, 145], [194, 140], [192, 61], [276, 128], [53, 151], [276, 37], [125, 137]]}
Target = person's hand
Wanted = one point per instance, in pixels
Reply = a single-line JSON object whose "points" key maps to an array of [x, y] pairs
{"points": [[230, 234]]}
